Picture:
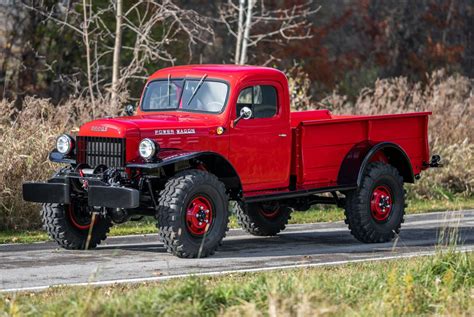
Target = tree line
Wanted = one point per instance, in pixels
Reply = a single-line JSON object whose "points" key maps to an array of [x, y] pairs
{"points": [[105, 49]]}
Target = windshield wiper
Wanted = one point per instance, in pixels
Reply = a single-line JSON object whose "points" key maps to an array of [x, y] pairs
{"points": [[196, 90], [169, 90]]}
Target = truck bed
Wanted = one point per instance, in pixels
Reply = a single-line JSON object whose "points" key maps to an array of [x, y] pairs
{"points": [[321, 141]]}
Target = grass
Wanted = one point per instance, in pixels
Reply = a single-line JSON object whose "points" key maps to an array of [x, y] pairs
{"points": [[322, 214], [438, 285]]}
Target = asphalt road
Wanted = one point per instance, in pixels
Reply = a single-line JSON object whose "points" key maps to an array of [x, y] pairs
{"points": [[142, 258]]}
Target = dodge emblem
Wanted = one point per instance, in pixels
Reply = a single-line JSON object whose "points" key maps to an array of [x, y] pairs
{"points": [[98, 128]]}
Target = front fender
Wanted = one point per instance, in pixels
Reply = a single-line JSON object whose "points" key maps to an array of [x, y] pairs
{"points": [[56, 157], [166, 157], [213, 162]]}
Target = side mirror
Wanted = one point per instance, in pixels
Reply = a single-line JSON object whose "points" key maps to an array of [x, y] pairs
{"points": [[129, 109], [245, 113]]}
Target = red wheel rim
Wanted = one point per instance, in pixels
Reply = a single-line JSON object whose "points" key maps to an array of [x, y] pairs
{"points": [[381, 203], [269, 212], [199, 216], [75, 220]]}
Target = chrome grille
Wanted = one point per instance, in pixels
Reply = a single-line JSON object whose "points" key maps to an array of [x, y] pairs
{"points": [[95, 151]]}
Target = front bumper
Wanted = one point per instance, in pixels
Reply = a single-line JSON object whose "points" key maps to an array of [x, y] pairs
{"points": [[97, 195], [46, 193], [113, 197]]}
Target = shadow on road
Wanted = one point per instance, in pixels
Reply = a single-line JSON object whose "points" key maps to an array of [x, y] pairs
{"points": [[312, 243]]}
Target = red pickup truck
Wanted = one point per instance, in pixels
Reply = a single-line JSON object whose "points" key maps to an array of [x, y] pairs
{"points": [[205, 135]]}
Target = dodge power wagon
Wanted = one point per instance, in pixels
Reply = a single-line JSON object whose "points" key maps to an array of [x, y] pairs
{"points": [[203, 136]]}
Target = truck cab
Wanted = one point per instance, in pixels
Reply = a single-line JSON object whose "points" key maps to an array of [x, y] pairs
{"points": [[174, 118], [204, 135]]}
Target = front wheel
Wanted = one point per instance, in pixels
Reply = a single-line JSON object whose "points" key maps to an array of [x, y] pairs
{"points": [[69, 225], [193, 214], [374, 212]]}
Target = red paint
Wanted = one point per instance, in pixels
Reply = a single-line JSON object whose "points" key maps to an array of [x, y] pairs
{"points": [[309, 145], [260, 147], [381, 203], [379, 157], [199, 215], [325, 143]]}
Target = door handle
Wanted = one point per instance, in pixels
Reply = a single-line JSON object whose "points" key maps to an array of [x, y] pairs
{"points": [[282, 135]]}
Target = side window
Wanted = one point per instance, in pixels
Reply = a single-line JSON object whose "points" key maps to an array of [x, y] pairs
{"points": [[261, 99]]}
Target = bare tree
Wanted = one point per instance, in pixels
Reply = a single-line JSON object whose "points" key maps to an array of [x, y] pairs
{"points": [[240, 31], [11, 20], [141, 20], [85, 33], [263, 24], [117, 47], [245, 38]]}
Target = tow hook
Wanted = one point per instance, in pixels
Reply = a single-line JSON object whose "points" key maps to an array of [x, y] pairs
{"points": [[84, 182]]}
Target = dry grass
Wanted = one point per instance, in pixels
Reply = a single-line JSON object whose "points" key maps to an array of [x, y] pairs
{"points": [[27, 136]]}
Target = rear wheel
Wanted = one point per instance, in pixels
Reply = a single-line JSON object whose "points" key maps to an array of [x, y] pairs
{"points": [[262, 219], [192, 214], [374, 212], [69, 225]]}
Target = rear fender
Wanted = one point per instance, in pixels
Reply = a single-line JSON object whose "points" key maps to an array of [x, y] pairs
{"points": [[362, 154]]}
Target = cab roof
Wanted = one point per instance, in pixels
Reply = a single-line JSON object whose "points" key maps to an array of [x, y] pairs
{"points": [[223, 71]]}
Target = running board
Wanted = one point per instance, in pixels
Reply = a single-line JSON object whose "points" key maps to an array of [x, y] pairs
{"points": [[297, 193]]}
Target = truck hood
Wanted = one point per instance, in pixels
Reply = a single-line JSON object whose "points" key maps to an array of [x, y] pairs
{"points": [[150, 125]]}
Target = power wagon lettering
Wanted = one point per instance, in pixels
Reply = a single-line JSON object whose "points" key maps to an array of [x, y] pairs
{"points": [[177, 131]]}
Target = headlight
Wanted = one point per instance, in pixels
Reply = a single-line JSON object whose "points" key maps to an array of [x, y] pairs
{"points": [[64, 144], [147, 148]]}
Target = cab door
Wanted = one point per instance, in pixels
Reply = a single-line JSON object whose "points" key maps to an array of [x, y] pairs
{"points": [[260, 147]]}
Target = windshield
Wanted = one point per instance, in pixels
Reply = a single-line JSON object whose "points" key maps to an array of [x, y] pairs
{"points": [[186, 95]]}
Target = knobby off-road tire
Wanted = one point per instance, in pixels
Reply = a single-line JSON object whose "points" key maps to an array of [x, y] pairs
{"points": [[178, 204], [61, 228], [253, 218], [367, 220]]}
